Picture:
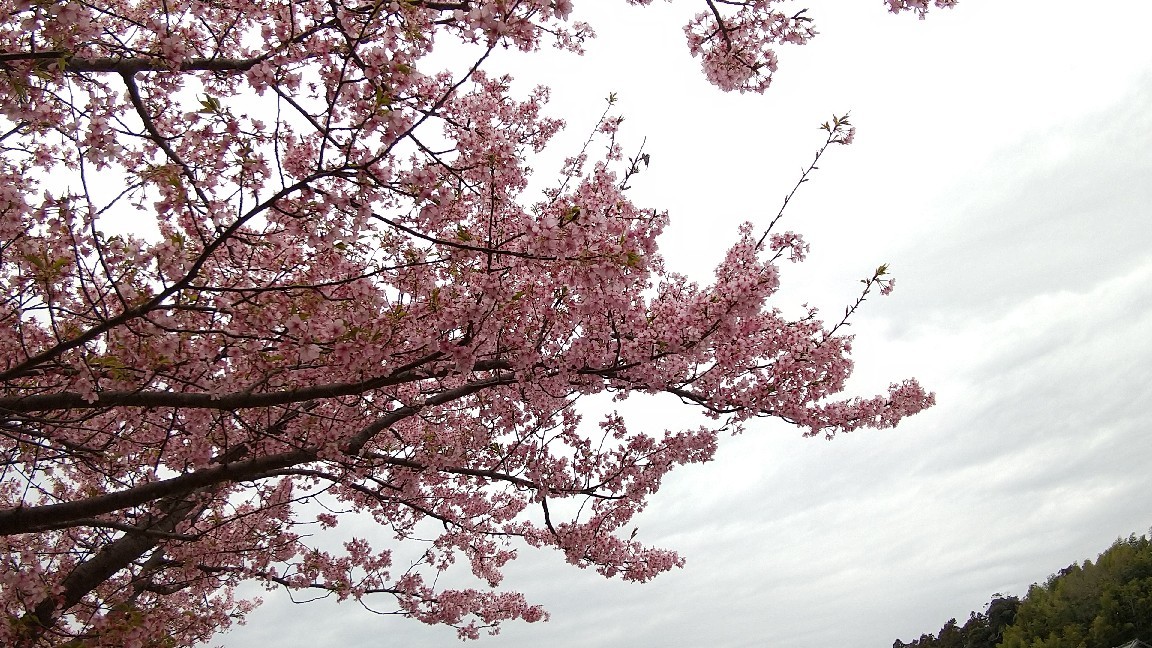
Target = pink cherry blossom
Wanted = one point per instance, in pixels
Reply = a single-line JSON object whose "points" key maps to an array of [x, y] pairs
{"points": [[267, 267]]}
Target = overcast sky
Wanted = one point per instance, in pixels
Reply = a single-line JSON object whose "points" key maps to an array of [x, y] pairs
{"points": [[1003, 167]]}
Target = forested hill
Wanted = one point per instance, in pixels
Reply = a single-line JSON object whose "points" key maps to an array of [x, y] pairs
{"points": [[1100, 604]]}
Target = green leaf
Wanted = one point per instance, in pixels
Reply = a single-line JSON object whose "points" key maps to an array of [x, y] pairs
{"points": [[209, 105]]}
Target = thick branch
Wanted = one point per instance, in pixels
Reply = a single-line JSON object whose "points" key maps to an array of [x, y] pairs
{"points": [[111, 558], [119, 65], [370, 431], [32, 519], [224, 402]]}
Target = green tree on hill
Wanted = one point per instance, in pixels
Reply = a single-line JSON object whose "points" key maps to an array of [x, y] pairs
{"points": [[1102, 604], [982, 630], [1094, 605]]}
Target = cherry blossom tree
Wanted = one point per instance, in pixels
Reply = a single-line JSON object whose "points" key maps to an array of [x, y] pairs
{"points": [[265, 268]]}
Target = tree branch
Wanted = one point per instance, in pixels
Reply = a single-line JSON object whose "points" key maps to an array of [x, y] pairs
{"points": [[225, 402]]}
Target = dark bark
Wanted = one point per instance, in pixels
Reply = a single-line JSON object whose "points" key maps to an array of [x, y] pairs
{"points": [[110, 559]]}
